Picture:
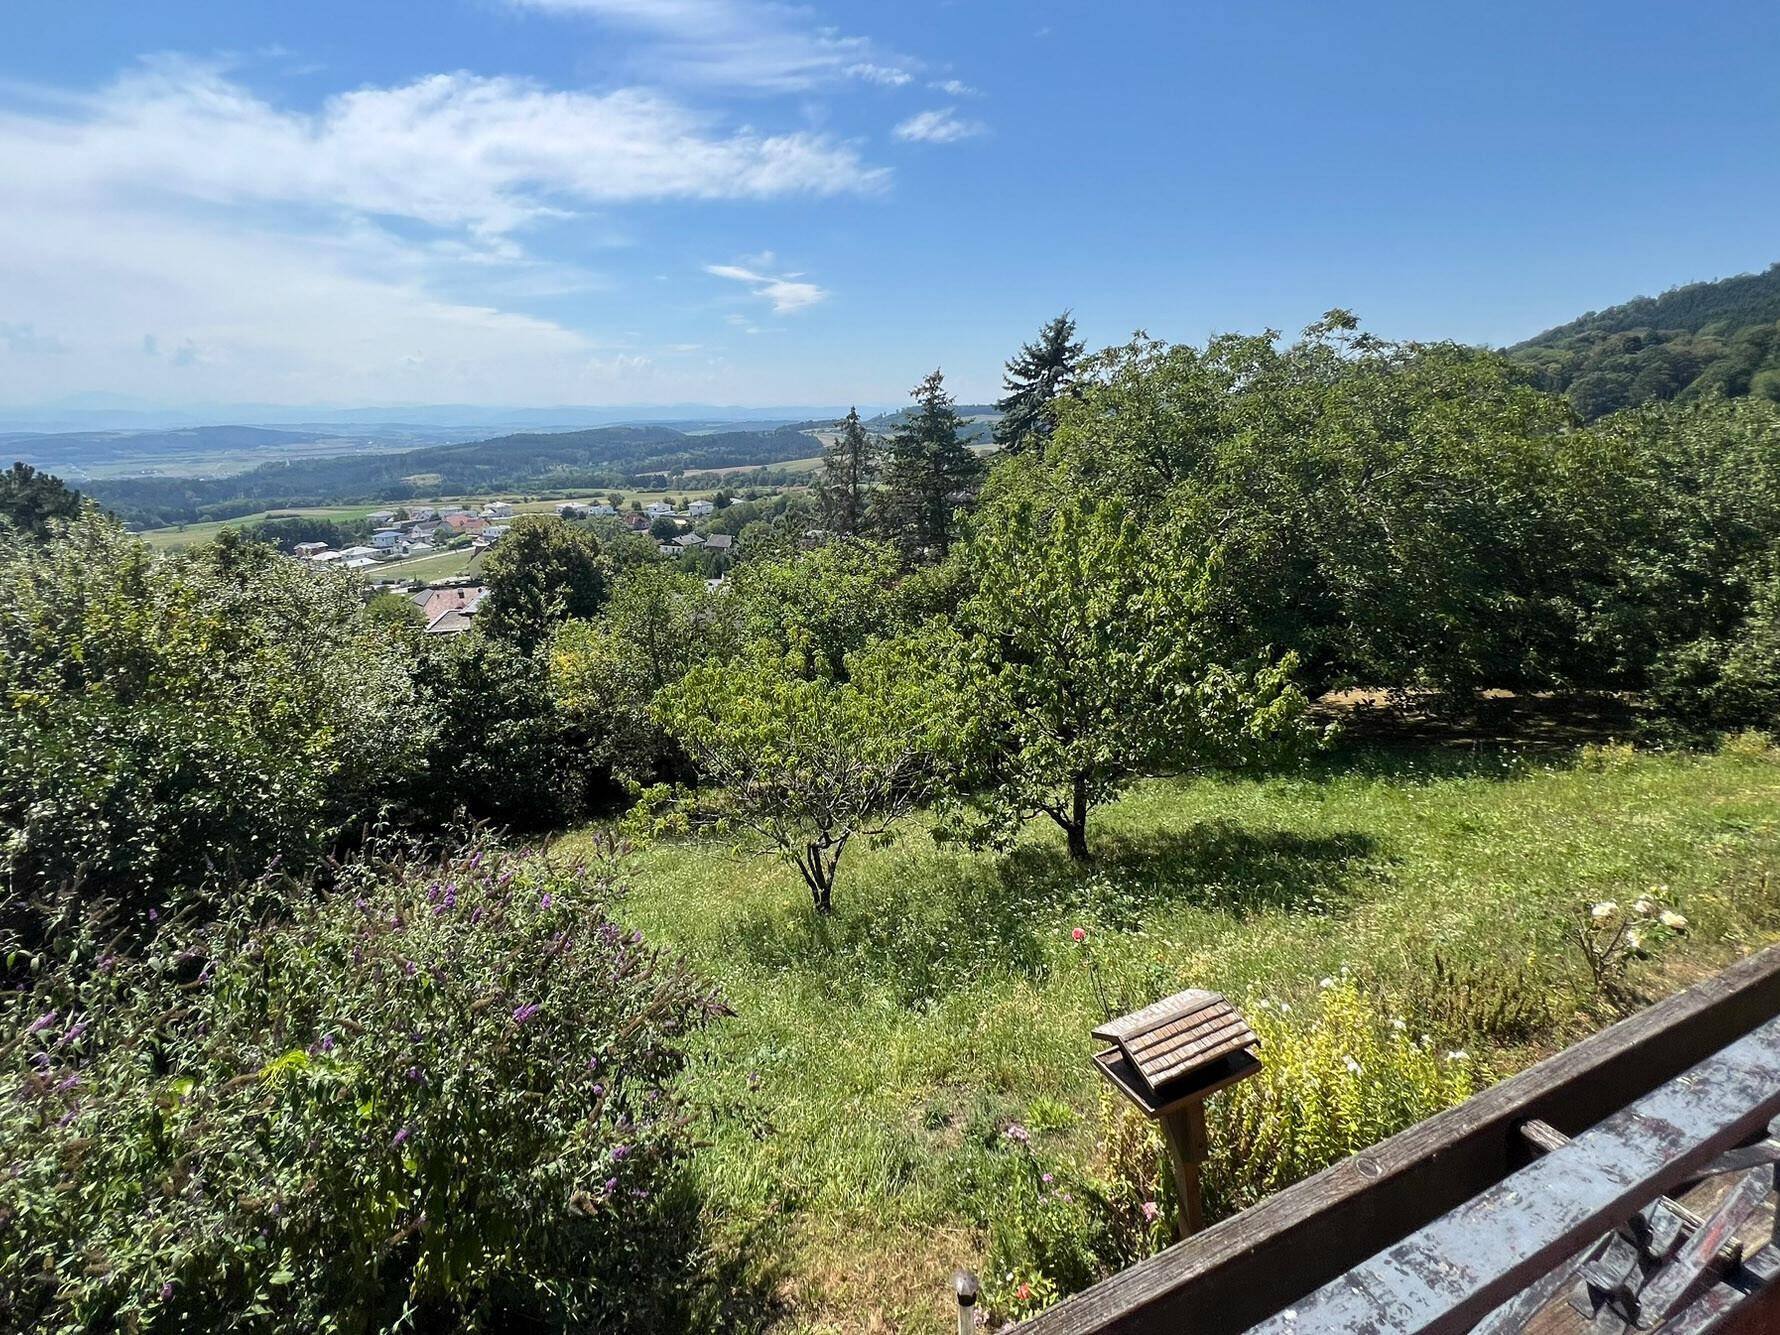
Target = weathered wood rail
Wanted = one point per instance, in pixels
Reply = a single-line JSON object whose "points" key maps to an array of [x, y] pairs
{"points": [[1270, 1258]]}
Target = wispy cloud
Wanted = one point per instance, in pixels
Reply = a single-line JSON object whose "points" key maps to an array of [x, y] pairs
{"points": [[760, 45], [954, 88], [888, 76], [785, 291], [453, 150], [943, 125], [175, 233]]}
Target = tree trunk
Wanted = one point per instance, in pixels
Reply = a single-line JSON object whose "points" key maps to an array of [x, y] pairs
{"points": [[818, 874], [1077, 825]]}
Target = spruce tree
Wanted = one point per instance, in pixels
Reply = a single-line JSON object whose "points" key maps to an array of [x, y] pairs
{"points": [[849, 465], [927, 465], [1036, 375]]}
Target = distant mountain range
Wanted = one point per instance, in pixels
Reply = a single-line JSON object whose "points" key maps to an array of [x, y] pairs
{"points": [[1721, 337], [528, 462]]}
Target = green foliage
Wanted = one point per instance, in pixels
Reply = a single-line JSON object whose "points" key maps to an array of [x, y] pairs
{"points": [[1340, 1075], [497, 747], [30, 501], [604, 675], [1087, 663], [285, 531], [446, 1098], [806, 764], [1040, 372], [170, 719], [1682, 532], [1057, 1226], [928, 472], [819, 606], [542, 572], [1382, 510], [1693, 342]]}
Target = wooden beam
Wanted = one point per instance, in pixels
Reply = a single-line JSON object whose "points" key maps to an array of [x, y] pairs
{"points": [[1245, 1268], [1447, 1276]]}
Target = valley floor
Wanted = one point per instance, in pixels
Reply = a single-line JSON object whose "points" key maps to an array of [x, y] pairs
{"points": [[876, 1056]]}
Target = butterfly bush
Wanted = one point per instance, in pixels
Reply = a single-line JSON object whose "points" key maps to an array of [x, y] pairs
{"points": [[443, 1095]]}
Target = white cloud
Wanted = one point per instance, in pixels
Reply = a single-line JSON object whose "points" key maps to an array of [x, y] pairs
{"points": [[452, 150], [784, 291], [756, 44], [177, 237], [942, 125], [889, 76], [954, 88]]}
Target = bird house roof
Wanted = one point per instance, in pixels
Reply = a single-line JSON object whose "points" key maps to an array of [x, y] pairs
{"points": [[1179, 1036]]}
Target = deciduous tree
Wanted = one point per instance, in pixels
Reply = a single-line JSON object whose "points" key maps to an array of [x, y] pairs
{"points": [[542, 572], [1087, 665], [802, 766]]}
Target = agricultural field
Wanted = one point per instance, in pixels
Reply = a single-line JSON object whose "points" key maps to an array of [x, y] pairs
{"points": [[438, 565], [189, 535], [878, 1058]]}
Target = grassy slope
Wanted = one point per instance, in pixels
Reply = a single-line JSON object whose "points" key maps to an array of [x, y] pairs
{"points": [[945, 995]]}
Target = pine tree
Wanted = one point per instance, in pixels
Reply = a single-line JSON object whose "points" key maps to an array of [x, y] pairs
{"points": [[1037, 374], [849, 465], [927, 466]]}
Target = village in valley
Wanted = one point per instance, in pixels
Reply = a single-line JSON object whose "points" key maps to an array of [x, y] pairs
{"points": [[404, 541]]}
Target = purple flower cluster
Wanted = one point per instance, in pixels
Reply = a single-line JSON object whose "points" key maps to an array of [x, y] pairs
{"points": [[523, 1013]]}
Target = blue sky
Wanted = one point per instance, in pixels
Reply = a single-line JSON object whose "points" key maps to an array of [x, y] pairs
{"points": [[751, 202]]}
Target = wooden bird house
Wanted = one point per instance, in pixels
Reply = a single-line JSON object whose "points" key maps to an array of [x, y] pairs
{"points": [[1167, 1059]]}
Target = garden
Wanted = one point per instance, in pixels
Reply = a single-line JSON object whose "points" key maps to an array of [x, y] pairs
{"points": [[680, 955]]}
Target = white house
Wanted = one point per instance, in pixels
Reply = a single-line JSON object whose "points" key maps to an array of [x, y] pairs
{"points": [[497, 510], [699, 509], [656, 509], [381, 516], [387, 539], [326, 558], [420, 514], [358, 562], [569, 510], [356, 553], [601, 509], [310, 550]]}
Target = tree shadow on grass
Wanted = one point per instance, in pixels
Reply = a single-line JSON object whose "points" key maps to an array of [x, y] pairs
{"points": [[1489, 735], [927, 925], [1218, 866]]}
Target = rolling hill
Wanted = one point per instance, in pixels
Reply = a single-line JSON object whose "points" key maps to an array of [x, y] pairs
{"points": [[570, 460], [1720, 337]]}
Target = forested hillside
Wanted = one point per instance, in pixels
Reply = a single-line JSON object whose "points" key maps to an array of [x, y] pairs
{"points": [[1703, 339], [603, 457]]}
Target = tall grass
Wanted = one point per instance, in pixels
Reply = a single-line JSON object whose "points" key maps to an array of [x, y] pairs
{"points": [[880, 1054]]}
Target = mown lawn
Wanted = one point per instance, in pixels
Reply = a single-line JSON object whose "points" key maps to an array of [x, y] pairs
{"points": [[875, 1056]]}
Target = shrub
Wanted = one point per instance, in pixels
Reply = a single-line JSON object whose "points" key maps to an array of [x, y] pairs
{"points": [[165, 713], [1056, 1226], [445, 1098], [497, 746], [1334, 1080]]}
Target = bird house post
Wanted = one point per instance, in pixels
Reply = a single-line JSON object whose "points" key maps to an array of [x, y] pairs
{"points": [[1168, 1058]]}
